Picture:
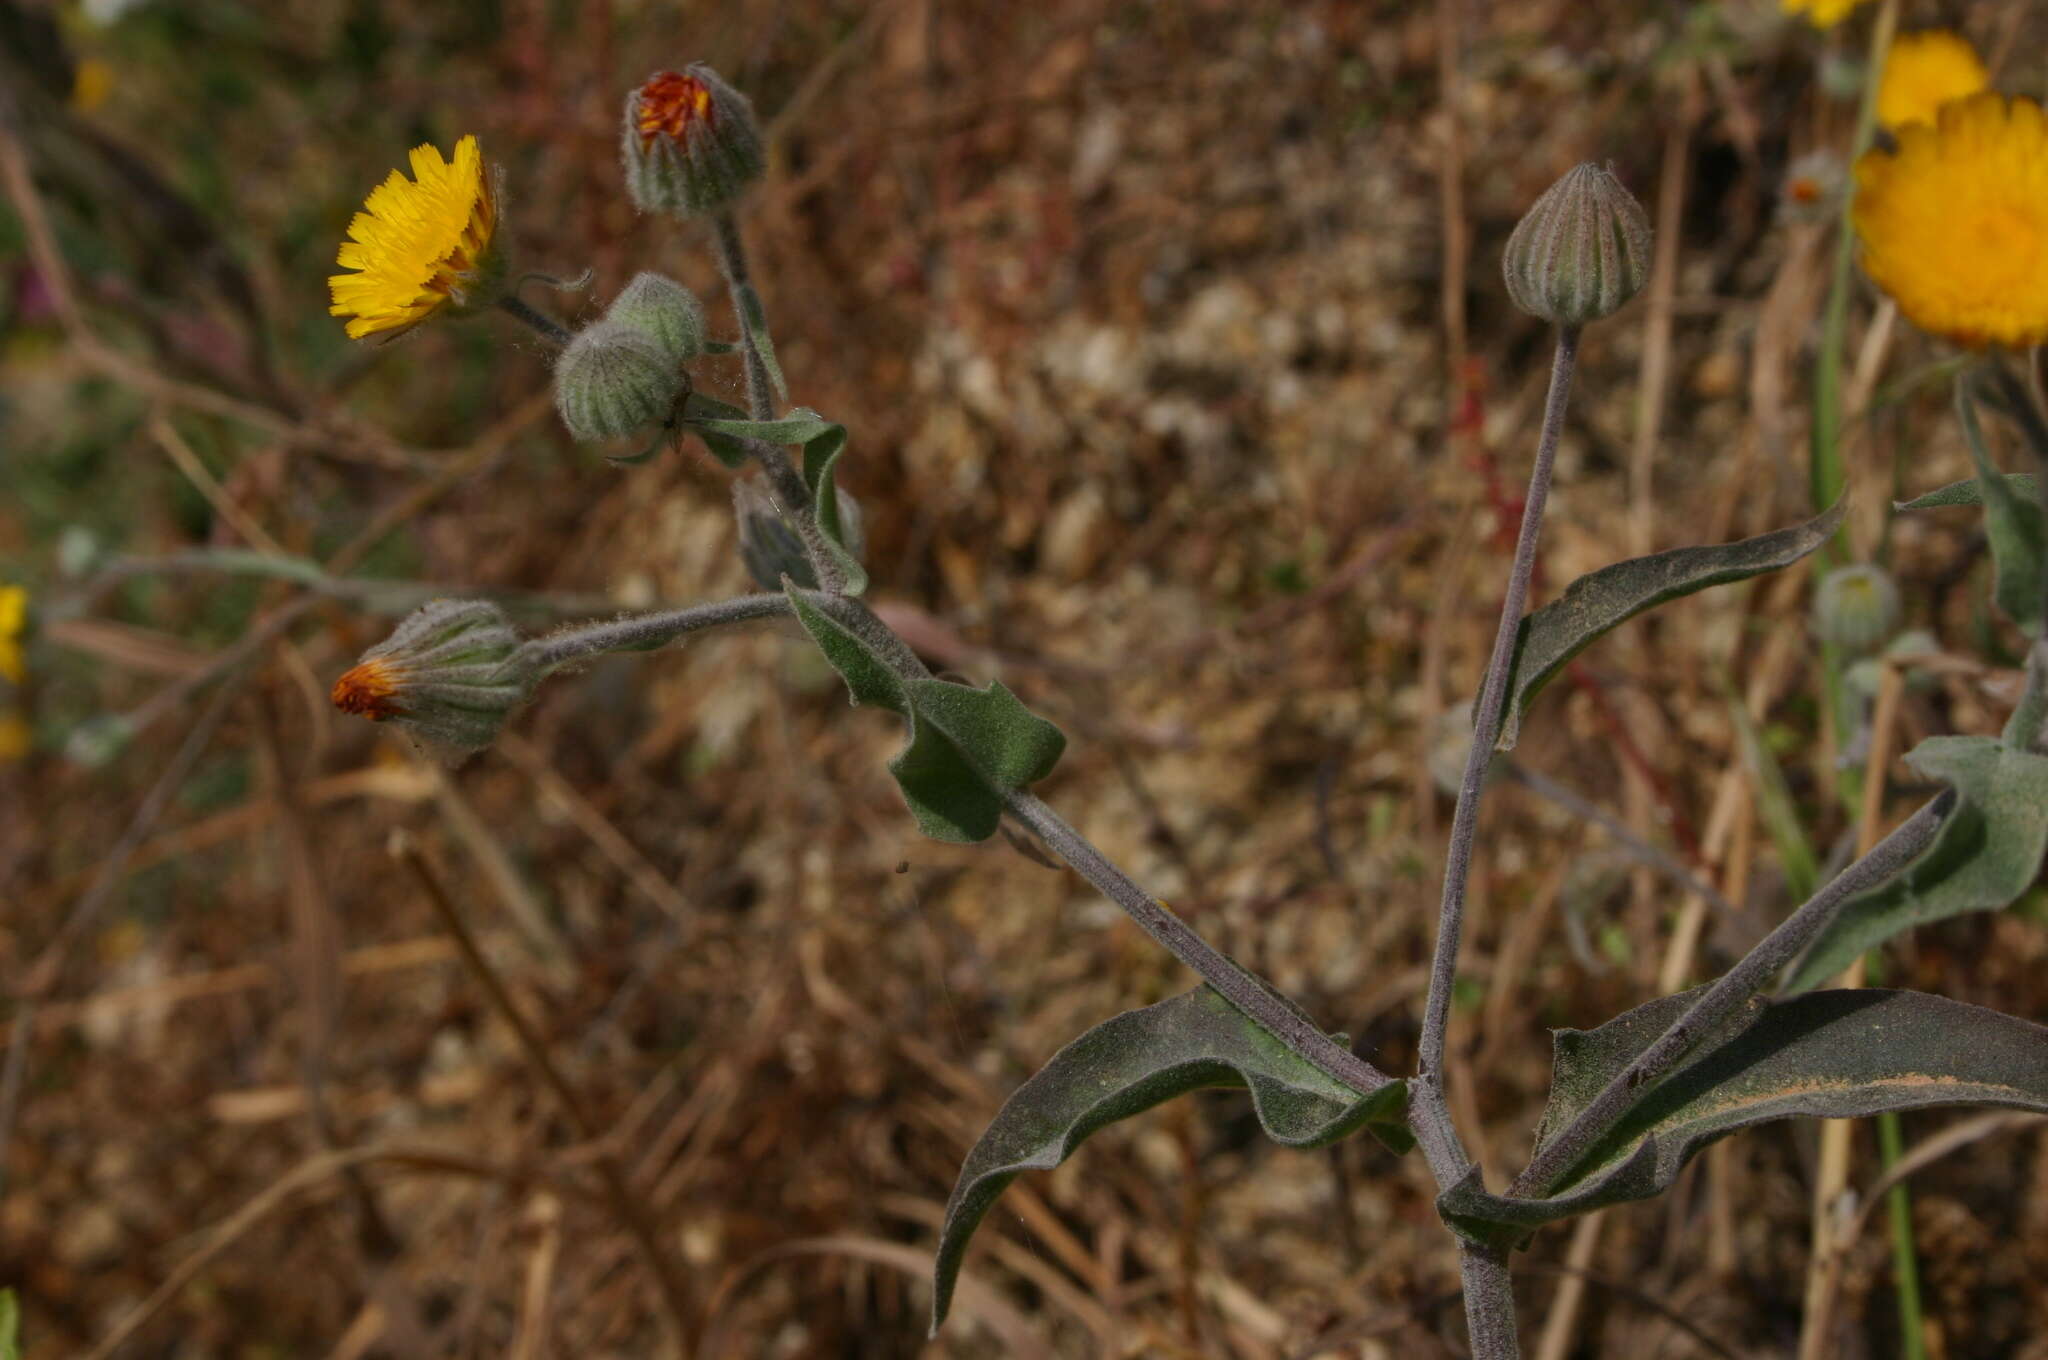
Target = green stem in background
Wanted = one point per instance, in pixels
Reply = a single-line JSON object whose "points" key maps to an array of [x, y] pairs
{"points": [[1891, 1145], [1828, 477], [549, 329], [1825, 468]]}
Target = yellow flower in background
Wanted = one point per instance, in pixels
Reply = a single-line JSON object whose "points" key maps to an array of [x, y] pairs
{"points": [[420, 244], [15, 737], [91, 83], [1922, 72], [1820, 13], [1954, 223], [13, 623]]}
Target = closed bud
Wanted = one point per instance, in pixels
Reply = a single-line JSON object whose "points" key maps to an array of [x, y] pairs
{"points": [[1581, 252], [690, 144], [613, 379], [772, 550], [450, 674], [664, 311], [1856, 607]]}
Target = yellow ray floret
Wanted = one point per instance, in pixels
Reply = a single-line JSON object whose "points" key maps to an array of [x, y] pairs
{"points": [[418, 243], [1922, 72], [1820, 13], [1954, 223]]}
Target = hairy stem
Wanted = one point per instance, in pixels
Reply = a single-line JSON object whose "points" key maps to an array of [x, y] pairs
{"points": [[1487, 716], [549, 329], [1735, 987], [1489, 1302], [647, 631], [732, 262], [1236, 985]]}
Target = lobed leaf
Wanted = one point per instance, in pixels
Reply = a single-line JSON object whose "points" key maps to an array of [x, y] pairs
{"points": [[1600, 601], [1127, 1065], [1986, 854], [967, 746], [1833, 1055]]}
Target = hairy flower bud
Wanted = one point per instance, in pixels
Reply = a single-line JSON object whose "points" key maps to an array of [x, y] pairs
{"points": [[1856, 607], [690, 144], [664, 311], [450, 674], [613, 379], [1581, 251]]}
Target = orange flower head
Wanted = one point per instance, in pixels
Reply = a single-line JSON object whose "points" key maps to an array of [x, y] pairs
{"points": [[690, 144], [368, 690], [450, 674]]}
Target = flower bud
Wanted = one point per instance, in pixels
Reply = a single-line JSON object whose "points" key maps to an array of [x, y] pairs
{"points": [[450, 674], [664, 311], [690, 143], [1581, 252], [1856, 607], [613, 379], [772, 550]]}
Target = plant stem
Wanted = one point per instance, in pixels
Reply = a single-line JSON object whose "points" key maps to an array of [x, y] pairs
{"points": [[648, 631], [732, 262], [1489, 1302], [631, 1210], [548, 328], [1236, 985], [1905, 1254], [1487, 717], [1703, 1020]]}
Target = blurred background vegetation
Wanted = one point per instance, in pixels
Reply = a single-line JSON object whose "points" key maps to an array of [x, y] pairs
{"points": [[1185, 397]]}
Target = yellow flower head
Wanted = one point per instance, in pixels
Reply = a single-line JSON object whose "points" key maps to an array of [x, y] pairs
{"points": [[1820, 13], [420, 244], [1922, 72], [1954, 222], [13, 623]]}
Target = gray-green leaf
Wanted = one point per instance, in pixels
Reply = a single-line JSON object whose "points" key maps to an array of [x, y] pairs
{"points": [[1602, 600], [1834, 1055], [2011, 524], [967, 746], [1129, 1064], [1985, 855], [1968, 492]]}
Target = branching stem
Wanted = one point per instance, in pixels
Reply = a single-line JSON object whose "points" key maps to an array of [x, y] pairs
{"points": [[549, 329], [1704, 1018], [1236, 985]]}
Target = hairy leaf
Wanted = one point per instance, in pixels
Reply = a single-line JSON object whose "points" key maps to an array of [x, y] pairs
{"points": [[1602, 600], [702, 415], [1985, 855], [1131, 1063], [967, 746], [2012, 525], [1969, 491], [1834, 1055]]}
